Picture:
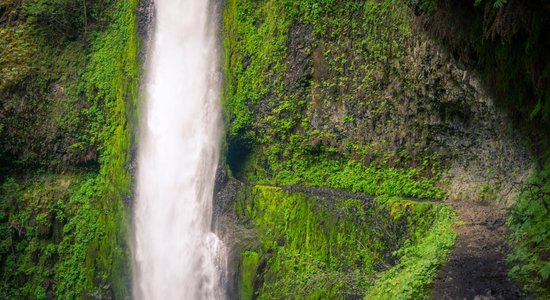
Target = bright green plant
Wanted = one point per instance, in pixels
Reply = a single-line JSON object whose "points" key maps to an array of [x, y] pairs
{"points": [[530, 237], [312, 247], [67, 237]]}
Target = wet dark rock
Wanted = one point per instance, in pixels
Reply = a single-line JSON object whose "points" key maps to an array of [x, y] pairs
{"points": [[227, 227], [220, 180], [299, 62], [226, 189], [145, 16], [145, 21]]}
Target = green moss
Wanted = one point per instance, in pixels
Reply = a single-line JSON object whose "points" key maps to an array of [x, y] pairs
{"points": [[306, 100], [306, 247], [530, 237], [85, 250], [29, 213], [17, 49], [304, 82], [248, 273], [45, 122], [254, 65], [315, 247], [420, 260], [356, 178], [101, 224]]}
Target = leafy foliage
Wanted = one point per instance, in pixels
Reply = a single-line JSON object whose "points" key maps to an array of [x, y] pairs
{"points": [[88, 255], [64, 19], [529, 224], [32, 215], [419, 262], [351, 176]]}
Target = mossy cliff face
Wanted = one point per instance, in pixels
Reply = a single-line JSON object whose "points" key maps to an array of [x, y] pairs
{"points": [[355, 96], [321, 243], [332, 93], [315, 86], [69, 91]]}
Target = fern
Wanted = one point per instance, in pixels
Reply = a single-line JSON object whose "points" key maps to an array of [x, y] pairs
{"points": [[499, 3]]}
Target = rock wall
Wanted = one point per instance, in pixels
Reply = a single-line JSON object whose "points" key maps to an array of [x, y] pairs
{"points": [[334, 93], [312, 242], [359, 82]]}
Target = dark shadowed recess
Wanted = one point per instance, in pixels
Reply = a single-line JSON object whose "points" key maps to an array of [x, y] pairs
{"points": [[237, 153], [507, 42]]}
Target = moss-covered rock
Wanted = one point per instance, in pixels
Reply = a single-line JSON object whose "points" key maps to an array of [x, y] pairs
{"points": [[311, 246], [359, 96], [316, 85], [65, 236]]}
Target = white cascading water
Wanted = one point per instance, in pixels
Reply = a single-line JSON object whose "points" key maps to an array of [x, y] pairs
{"points": [[176, 254]]}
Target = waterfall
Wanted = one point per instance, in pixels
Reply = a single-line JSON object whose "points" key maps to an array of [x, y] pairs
{"points": [[176, 256]]}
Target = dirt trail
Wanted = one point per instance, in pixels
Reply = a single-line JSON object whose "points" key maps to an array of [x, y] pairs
{"points": [[476, 268]]}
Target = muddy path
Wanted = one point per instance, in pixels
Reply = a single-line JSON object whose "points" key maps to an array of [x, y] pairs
{"points": [[476, 268]]}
